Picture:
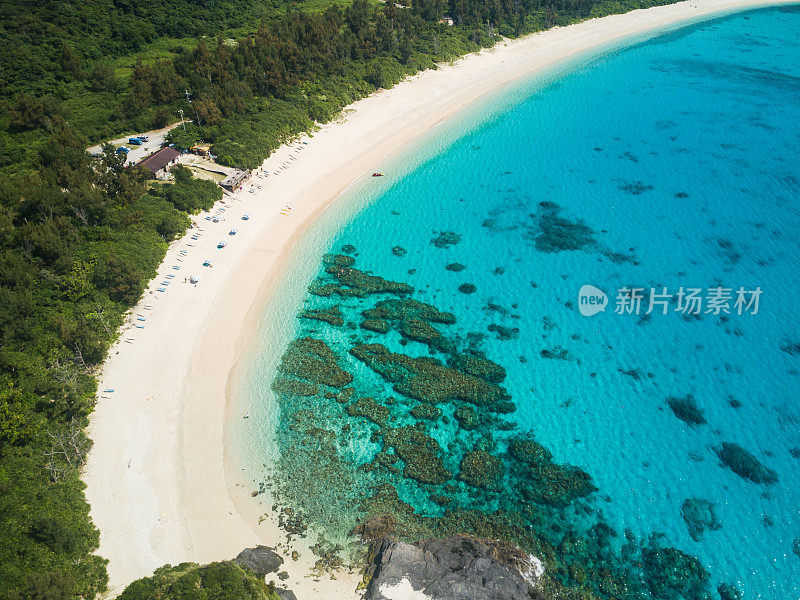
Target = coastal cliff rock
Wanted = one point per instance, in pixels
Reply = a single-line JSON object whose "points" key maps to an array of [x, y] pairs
{"points": [[452, 568], [261, 560]]}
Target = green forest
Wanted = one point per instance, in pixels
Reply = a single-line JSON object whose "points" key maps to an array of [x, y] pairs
{"points": [[80, 237]]}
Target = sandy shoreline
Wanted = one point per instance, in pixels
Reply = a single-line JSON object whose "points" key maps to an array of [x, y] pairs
{"points": [[162, 481]]}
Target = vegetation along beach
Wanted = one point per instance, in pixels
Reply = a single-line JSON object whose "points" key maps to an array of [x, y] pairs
{"points": [[399, 301]]}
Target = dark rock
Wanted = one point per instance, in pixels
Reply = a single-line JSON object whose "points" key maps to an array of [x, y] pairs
{"points": [[261, 560], [376, 528], [481, 469], [544, 481], [455, 267], [331, 316], [376, 325], [453, 568], [446, 239], [285, 594], [420, 453], [399, 251], [467, 288], [348, 248], [699, 515], [557, 234], [369, 409], [466, 417], [427, 379], [421, 331], [744, 464], [686, 410], [557, 353], [478, 366], [406, 308], [727, 592], [426, 411], [311, 359], [670, 574], [293, 387], [504, 333], [338, 260], [792, 349], [355, 283]]}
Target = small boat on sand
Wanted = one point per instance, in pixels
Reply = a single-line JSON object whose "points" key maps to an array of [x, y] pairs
{"points": [[377, 174]]}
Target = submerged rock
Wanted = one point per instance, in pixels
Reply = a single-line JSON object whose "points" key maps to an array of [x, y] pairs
{"points": [[478, 366], [427, 379], [311, 359], [727, 592], [419, 330], [544, 481], [376, 325], [446, 239], [699, 515], [504, 333], [671, 575], [331, 316], [686, 410], [557, 234], [466, 417], [352, 282], [454, 568], [744, 464], [420, 453], [481, 469], [467, 288], [397, 309], [455, 267], [261, 560], [369, 409], [426, 411]]}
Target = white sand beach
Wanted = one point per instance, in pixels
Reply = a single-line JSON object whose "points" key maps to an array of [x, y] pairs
{"points": [[161, 481]]}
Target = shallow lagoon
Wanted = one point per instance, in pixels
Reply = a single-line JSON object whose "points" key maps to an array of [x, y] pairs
{"points": [[669, 164]]}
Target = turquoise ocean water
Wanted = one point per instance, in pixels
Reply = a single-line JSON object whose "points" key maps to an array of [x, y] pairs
{"points": [[672, 163]]}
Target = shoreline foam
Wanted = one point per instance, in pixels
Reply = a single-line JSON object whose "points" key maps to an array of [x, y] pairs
{"points": [[162, 479]]}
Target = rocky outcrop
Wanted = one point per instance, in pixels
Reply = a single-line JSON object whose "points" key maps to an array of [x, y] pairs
{"points": [[452, 568], [261, 560]]}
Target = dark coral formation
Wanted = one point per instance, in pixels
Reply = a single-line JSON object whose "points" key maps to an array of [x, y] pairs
{"points": [[504, 333], [455, 267], [557, 234], [426, 411], [479, 366], [686, 410], [467, 417], [352, 452], [547, 482], [331, 316], [354, 283], [376, 325], [420, 453], [427, 379], [312, 360], [446, 239], [467, 288], [699, 515], [744, 464], [481, 469], [673, 575], [369, 409]]}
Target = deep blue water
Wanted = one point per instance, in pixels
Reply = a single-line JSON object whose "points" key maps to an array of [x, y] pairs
{"points": [[680, 156]]}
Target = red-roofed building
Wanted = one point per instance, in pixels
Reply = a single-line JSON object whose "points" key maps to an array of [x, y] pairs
{"points": [[159, 162]]}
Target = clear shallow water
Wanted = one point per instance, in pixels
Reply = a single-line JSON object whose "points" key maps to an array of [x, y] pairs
{"points": [[680, 156]]}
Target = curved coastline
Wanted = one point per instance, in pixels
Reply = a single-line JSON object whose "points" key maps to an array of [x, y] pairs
{"points": [[163, 454]]}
